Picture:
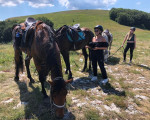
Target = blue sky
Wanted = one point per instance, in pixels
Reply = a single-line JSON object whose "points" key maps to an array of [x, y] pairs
{"points": [[15, 8]]}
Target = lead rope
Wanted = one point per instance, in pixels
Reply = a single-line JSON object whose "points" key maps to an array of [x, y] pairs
{"points": [[115, 52]]}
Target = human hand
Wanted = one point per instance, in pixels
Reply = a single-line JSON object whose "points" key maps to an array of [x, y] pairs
{"points": [[95, 48]]}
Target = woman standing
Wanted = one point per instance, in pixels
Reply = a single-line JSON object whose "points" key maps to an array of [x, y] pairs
{"points": [[97, 54], [131, 43]]}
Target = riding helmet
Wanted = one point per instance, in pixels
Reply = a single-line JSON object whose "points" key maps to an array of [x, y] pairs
{"points": [[133, 28], [99, 27]]}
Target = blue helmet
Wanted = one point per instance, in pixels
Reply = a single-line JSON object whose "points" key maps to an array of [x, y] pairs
{"points": [[99, 27]]}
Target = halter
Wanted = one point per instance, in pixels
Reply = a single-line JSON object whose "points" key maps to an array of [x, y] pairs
{"points": [[53, 103], [59, 106]]}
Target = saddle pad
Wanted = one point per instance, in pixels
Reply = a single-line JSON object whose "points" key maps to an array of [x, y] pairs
{"points": [[81, 36]]}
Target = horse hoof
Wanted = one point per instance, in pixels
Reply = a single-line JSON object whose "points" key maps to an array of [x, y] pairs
{"points": [[16, 79], [45, 96], [69, 77], [32, 80], [66, 72]]}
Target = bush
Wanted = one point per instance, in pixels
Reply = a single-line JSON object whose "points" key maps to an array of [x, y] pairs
{"points": [[130, 17], [46, 20]]}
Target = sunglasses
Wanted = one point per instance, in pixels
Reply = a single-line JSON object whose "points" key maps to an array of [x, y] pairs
{"points": [[95, 30]]}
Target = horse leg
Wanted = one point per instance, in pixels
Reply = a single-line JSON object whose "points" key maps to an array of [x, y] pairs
{"points": [[85, 58], [18, 63], [42, 79], [27, 63], [90, 60], [65, 55]]}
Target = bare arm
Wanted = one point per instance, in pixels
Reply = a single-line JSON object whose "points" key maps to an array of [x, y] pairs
{"points": [[124, 40], [100, 48], [134, 41]]}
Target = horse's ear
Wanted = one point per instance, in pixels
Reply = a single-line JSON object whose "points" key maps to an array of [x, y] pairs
{"points": [[68, 81], [51, 82]]}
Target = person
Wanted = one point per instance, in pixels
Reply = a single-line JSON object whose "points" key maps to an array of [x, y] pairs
{"points": [[131, 43], [97, 54], [109, 38]]}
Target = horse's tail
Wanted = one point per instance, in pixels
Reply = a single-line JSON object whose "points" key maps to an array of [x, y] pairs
{"points": [[21, 65]]}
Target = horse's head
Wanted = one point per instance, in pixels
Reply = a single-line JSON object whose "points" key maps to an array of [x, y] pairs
{"points": [[61, 30], [58, 95]]}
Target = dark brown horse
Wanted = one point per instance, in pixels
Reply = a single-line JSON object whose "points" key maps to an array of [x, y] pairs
{"points": [[45, 53], [66, 45]]}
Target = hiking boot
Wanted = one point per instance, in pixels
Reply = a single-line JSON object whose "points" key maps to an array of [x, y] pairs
{"points": [[104, 81], [130, 62], [94, 78]]}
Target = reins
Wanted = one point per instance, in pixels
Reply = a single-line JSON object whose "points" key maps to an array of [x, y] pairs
{"points": [[116, 51]]}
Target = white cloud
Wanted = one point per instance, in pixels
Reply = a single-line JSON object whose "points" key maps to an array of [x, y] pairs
{"points": [[9, 4], [70, 4], [86, 4], [138, 3], [38, 5], [32, 3]]}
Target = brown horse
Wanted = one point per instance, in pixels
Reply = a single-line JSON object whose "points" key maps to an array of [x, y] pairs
{"points": [[66, 45], [45, 53]]}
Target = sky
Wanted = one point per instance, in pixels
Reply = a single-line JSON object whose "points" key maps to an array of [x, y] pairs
{"points": [[15, 8]]}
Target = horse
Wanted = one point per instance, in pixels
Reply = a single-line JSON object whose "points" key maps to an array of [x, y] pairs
{"points": [[46, 56], [66, 45], [109, 38]]}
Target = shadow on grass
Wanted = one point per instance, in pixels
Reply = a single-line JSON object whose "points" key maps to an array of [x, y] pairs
{"points": [[85, 83], [113, 61], [36, 107], [110, 90], [142, 66]]}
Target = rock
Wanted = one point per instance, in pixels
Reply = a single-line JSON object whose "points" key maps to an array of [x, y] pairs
{"points": [[137, 89], [81, 104], [81, 60], [20, 104], [112, 108], [7, 101], [141, 97], [131, 110]]}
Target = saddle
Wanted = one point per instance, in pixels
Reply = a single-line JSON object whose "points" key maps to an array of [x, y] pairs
{"points": [[74, 33], [25, 30]]}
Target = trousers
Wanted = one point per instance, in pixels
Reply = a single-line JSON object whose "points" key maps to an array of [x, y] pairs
{"points": [[98, 57]]}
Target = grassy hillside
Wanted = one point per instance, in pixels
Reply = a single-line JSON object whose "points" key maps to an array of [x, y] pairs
{"points": [[91, 100]]}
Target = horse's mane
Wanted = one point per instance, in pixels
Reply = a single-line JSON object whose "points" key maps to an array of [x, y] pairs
{"points": [[48, 49], [85, 29]]}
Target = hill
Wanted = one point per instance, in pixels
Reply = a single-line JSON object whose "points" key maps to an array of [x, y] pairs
{"points": [[91, 100]]}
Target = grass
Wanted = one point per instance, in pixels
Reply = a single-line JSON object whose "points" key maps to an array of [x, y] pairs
{"points": [[92, 114], [122, 77], [117, 100]]}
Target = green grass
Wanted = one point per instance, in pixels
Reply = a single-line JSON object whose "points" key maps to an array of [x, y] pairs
{"points": [[117, 100], [92, 114]]}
